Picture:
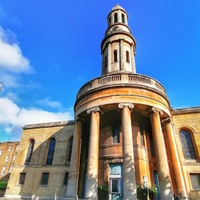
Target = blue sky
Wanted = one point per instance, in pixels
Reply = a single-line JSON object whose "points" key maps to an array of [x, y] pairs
{"points": [[49, 49]]}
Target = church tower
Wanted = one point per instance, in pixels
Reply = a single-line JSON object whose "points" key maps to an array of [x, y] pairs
{"points": [[118, 46], [123, 135]]}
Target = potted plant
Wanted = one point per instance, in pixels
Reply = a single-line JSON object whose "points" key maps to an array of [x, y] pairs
{"points": [[153, 193], [103, 192], [142, 192]]}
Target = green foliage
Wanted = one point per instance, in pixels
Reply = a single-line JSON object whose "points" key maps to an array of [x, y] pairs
{"points": [[103, 192], [103, 187], [153, 189], [3, 185]]}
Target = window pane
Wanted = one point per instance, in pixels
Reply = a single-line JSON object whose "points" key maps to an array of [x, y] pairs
{"points": [[127, 57], [116, 134], [115, 186], [22, 178], [115, 55], [195, 180], [45, 178], [66, 179], [3, 170], [29, 152], [187, 145], [115, 17], [123, 18], [70, 143], [51, 151]]}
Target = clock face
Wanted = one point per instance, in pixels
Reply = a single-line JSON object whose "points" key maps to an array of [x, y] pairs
{"points": [[115, 28]]}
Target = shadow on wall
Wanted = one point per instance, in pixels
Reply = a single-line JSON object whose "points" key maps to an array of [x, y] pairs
{"points": [[42, 164]]}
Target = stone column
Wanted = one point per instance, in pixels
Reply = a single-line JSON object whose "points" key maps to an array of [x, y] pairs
{"points": [[180, 183], [121, 57], [93, 155], [129, 185], [133, 58], [72, 185], [161, 156]]}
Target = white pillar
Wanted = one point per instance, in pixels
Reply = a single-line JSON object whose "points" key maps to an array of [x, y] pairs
{"points": [[129, 185], [93, 155], [161, 155]]}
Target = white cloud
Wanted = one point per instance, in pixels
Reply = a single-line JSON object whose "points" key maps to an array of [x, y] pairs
{"points": [[11, 57], [12, 117], [48, 102]]}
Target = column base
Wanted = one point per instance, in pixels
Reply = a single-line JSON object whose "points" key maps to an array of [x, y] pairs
{"points": [[91, 198], [71, 198], [182, 198]]}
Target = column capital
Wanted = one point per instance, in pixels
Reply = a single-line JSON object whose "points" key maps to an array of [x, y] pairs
{"points": [[154, 110], [129, 105], [95, 109], [167, 120], [77, 118]]}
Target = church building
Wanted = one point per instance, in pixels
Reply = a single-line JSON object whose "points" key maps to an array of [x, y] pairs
{"points": [[124, 136]]}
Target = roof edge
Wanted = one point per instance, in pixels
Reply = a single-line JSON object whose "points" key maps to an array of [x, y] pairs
{"points": [[48, 124]]}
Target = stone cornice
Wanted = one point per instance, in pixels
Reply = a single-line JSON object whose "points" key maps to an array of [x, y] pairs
{"points": [[186, 110], [49, 124]]}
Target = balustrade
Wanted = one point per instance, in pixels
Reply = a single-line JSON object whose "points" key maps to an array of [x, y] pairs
{"points": [[119, 79]]}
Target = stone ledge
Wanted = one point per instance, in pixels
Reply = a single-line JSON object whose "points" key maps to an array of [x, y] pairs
{"points": [[186, 110], [49, 124]]}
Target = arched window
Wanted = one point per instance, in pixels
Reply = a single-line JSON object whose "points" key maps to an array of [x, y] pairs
{"points": [[187, 145], [69, 149], [51, 149], [123, 18], [29, 152], [115, 55], [127, 57], [115, 17]]}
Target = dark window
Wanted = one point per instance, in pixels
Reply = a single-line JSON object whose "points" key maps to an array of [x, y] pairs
{"points": [[109, 21], [115, 186], [123, 18], [106, 61], [151, 145], [187, 145], [141, 138], [45, 179], [127, 57], [115, 17], [66, 178], [22, 177], [195, 180], [116, 133], [29, 152], [70, 143], [51, 151], [115, 55]]}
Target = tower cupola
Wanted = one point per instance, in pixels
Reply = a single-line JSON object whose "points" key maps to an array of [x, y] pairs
{"points": [[118, 45]]}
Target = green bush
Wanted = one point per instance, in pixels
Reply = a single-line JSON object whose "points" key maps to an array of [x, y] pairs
{"points": [[3, 185]]}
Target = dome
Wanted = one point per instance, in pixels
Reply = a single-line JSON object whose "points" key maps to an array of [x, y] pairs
{"points": [[118, 7]]}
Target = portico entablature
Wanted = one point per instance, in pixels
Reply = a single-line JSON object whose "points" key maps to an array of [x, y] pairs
{"points": [[110, 97]]}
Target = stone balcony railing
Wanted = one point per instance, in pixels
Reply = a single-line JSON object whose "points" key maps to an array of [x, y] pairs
{"points": [[112, 80]]}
